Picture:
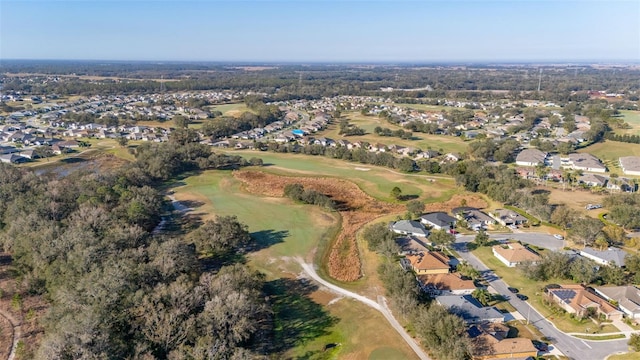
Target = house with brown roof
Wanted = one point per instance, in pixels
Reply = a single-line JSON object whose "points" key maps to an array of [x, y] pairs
{"points": [[514, 253], [576, 299], [445, 284], [430, 262], [485, 346]]}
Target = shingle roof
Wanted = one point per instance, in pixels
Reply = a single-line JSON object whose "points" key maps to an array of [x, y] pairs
{"points": [[516, 253], [440, 219], [533, 156], [469, 309], [627, 297], [432, 260], [446, 282], [611, 255]]}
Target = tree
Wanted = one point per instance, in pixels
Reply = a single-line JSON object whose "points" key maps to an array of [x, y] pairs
{"points": [[122, 141], [634, 342], [222, 235], [415, 207], [482, 295], [464, 268], [585, 230], [482, 238], [396, 193], [180, 122], [441, 238]]}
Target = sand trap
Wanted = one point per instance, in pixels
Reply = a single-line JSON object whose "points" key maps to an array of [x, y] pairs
{"points": [[362, 169]]}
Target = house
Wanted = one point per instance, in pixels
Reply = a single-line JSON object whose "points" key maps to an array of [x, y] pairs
{"points": [[469, 309], [514, 253], [593, 180], [585, 162], [576, 299], [438, 220], [531, 157], [429, 262], [485, 346], [612, 256], [627, 297], [409, 227], [630, 165], [474, 218], [445, 284], [12, 159], [508, 217]]}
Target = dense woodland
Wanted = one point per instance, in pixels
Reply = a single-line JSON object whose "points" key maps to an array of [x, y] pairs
{"points": [[117, 290]]}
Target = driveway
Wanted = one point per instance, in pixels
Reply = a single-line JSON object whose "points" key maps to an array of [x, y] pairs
{"points": [[542, 240], [572, 347]]}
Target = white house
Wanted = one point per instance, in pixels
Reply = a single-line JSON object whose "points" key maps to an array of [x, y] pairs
{"points": [[611, 256]]}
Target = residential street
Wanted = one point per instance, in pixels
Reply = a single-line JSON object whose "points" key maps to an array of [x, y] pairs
{"points": [[572, 347]]}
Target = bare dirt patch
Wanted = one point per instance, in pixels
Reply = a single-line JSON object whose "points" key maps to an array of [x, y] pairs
{"points": [[457, 201], [358, 209], [24, 313]]}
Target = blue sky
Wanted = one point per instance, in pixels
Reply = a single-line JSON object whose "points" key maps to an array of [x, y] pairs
{"points": [[321, 31]]}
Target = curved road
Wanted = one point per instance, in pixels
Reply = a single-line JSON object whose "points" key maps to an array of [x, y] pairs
{"points": [[570, 346], [381, 306]]}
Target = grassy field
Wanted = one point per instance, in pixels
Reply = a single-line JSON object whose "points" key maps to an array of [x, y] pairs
{"points": [[631, 117], [374, 180], [230, 109], [627, 356], [369, 123], [610, 151], [311, 320], [533, 289], [427, 108]]}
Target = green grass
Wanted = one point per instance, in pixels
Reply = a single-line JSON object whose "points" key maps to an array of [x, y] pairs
{"points": [[376, 181], [233, 108], [303, 317], [425, 107], [386, 353], [534, 290], [421, 141], [612, 150], [601, 337], [631, 117], [626, 356]]}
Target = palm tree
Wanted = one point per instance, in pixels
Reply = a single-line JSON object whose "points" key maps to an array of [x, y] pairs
{"points": [[482, 295]]}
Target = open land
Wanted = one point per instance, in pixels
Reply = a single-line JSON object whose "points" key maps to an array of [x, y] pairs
{"points": [[292, 229], [631, 117]]}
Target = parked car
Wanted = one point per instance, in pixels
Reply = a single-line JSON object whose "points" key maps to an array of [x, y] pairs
{"points": [[558, 236], [522, 297], [593, 206], [513, 290]]}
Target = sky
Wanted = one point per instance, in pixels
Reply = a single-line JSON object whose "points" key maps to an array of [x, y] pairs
{"points": [[322, 31]]}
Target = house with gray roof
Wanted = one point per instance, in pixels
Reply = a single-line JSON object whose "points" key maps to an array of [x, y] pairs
{"points": [[508, 217], [469, 309], [531, 157], [586, 162], [612, 256], [409, 227], [438, 220], [593, 180], [627, 297], [630, 165]]}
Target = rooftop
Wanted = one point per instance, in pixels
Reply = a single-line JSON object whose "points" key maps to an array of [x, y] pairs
{"points": [[430, 260], [515, 253], [612, 255]]}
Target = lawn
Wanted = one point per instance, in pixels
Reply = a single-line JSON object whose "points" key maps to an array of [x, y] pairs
{"points": [[307, 319], [533, 289], [610, 151], [631, 117], [421, 141], [626, 356], [230, 109], [424, 107], [374, 180]]}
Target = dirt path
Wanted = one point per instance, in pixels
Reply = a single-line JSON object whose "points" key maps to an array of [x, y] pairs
{"points": [[15, 334], [381, 306]]}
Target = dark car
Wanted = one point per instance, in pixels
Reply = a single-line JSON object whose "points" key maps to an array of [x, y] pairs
{"points": [[513, 290], [540, 345], [522, 297]]}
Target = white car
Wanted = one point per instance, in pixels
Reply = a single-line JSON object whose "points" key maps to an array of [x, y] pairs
{"points": [[558, 236]]}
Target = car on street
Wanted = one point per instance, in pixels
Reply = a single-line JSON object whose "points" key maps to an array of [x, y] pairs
{"points": [[558, 236], [513, 290], [522, 297]]}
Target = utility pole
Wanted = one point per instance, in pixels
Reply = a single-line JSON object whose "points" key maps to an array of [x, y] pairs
{"points": [[540, 80]]}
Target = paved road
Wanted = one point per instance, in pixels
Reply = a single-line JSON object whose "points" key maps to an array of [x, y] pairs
{"points": [[381, 306], [543, 240], [572, 347]]}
